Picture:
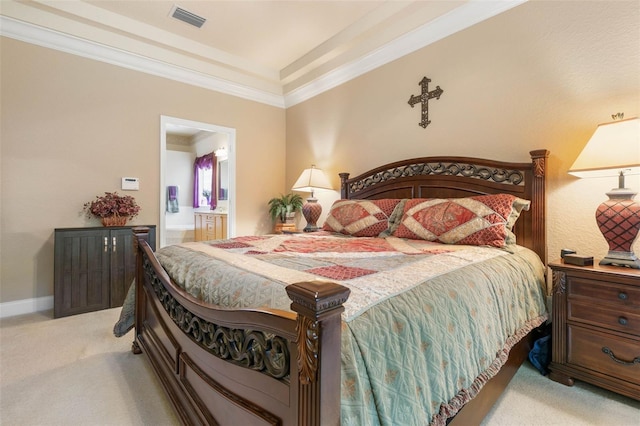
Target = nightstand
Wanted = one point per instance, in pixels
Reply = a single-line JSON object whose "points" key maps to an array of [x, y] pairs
{"points": [[596, 327]]}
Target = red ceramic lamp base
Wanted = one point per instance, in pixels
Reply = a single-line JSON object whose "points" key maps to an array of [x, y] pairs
{"points": [[311, 211], [619, 221]]}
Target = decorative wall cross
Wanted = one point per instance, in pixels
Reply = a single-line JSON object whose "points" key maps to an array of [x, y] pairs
{"points": [[423, 98]]}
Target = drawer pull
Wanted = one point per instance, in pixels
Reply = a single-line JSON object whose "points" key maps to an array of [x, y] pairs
{"points": [[609, 352], [622, 296], [622, 321]]}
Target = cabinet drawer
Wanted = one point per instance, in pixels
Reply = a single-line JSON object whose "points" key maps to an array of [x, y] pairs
{"points": [[604, 292], [625, 321], [585, 349]]}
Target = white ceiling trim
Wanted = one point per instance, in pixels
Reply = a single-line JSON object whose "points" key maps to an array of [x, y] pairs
{"points": [[97, 15], [450, 23], [51, 39], [457, 20]]}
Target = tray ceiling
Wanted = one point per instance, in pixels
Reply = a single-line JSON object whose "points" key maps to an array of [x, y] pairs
{"points": [[278, 52]]}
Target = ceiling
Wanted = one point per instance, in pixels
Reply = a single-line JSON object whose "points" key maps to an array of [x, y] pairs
{"points": [[267, 50]]}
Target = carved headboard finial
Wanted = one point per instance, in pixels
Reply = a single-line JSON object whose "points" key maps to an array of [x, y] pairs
{"points": [[539, 158]]}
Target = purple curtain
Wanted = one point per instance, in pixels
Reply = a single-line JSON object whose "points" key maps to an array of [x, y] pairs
{"points": [[207, 161]]}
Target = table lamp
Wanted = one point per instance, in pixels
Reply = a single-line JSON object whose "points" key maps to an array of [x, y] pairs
{"points": [[614, 150], [309, 180]]}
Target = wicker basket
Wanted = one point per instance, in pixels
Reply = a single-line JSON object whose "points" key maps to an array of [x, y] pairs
{"points": [[115, 220]]}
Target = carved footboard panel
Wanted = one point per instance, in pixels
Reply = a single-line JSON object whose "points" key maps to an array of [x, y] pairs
{"points": [[241, 366]]}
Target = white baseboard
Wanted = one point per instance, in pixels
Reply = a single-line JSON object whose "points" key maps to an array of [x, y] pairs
{"points": [[25, 306]]}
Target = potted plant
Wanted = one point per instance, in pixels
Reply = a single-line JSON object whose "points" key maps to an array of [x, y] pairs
{"points": [[112, 209], [285, 207]]}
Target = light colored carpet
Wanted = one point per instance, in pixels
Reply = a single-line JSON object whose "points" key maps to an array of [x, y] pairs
{"points": [[532, 399], [74, 371]]}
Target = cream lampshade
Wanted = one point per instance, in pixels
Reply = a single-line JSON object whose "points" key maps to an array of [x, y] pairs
{"points": [[309, 180], [614, 150]]}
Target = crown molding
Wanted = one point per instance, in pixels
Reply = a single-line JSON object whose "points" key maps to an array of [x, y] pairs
{"points": [[458, 19], [51, 39]]}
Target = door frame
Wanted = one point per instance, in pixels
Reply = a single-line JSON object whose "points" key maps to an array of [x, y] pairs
{"points": [[231, 134]]}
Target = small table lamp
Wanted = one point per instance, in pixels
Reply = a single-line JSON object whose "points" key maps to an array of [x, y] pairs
{"points": [[614, 150], [309, 180]]}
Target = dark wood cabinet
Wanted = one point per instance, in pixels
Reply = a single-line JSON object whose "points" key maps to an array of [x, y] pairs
{"points": [[93, 268], [596, 327]]}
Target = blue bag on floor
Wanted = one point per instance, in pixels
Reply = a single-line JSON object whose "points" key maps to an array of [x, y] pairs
{"points": [[540, 354]]}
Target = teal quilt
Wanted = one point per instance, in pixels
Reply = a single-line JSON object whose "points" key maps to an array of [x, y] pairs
{"points": [[425, 327]]}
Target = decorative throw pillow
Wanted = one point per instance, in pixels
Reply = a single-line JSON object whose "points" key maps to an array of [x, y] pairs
{"points": [[479, 220], [360, 218], [394, 218], [517, 207]]}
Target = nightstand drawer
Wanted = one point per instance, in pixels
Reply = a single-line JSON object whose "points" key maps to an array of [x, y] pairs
{"points": [[587, 349], [604, 292], [627, 322]]}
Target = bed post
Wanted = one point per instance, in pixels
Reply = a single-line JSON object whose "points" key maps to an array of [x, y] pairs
{"points": [[344, 190], [140, 233], [318, 329], [538, 202]]}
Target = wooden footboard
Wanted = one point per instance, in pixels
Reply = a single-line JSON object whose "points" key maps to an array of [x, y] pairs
{"points": [[244, 367]]}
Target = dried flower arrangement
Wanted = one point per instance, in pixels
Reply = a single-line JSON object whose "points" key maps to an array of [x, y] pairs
{"points": [[110, 205]]}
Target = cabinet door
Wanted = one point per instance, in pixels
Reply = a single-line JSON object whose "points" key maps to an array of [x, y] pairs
{"points": [[123, 262], [221, 226], [200, 231], [81, 280], [197, 235]]}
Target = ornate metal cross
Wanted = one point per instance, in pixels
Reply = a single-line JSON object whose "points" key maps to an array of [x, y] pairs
{"points": [[424, 99]]}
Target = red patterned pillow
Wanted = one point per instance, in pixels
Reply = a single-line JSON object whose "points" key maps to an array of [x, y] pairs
{"points": [[360, 218], [516, 208], [479, 221]]}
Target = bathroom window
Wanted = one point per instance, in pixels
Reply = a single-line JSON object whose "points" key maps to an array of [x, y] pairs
{"points": [[204, 180]]}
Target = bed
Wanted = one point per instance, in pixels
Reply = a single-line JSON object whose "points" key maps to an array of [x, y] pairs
{"points": [[269, 330]]}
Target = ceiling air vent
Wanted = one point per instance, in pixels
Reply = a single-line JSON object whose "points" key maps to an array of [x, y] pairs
{"points": [[186, 16]]}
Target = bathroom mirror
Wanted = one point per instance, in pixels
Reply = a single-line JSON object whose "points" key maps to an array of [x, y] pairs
{"points": [[223, 180]]}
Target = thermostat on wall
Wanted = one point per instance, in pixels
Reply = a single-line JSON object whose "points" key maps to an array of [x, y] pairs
{"points": [[130, 184]]}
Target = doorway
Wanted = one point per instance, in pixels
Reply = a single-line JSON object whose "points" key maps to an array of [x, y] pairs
{"points": [[168, 127]]}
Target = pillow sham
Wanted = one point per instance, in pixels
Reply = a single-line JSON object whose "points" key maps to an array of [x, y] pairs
{"points": [[480, 220], [517, 207], [360, 218]]}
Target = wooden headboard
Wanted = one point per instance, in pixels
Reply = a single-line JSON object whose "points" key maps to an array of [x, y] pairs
{"points": [[453, 177]]}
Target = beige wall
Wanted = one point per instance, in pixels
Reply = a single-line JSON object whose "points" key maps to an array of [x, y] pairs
{"points": [[542, 75], [73, 127]]}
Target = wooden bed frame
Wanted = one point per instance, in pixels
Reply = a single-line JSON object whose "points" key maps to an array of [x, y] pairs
{"points": [[268, 367]]}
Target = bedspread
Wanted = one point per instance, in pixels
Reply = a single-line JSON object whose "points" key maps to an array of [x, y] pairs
{"points": [[426, 324]]}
